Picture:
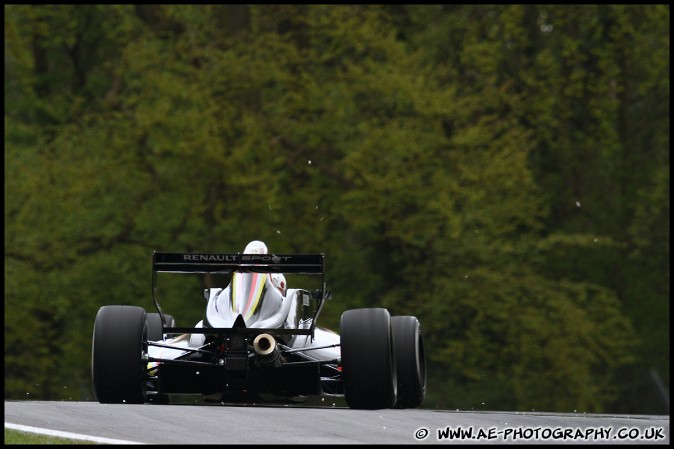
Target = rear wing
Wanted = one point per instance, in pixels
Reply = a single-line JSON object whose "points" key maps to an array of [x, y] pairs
{"points": [[206, 263], [226, 263]]}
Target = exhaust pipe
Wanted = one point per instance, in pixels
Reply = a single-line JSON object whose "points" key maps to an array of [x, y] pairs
{"points": [[265, 347]]}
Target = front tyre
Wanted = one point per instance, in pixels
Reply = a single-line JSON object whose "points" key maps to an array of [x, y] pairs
{"points": [[155, 328], [368, 366], [410, 361], [118, 354]]}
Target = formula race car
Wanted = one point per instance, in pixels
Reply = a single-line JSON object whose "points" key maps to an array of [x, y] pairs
{"points": [[258, 341]]}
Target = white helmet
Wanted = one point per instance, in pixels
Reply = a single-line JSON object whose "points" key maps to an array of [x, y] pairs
{"points": [[255, 247], [279, 282], [277, 279]]}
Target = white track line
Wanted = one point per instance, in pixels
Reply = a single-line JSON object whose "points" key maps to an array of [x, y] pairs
{"points": [[72, 436]]}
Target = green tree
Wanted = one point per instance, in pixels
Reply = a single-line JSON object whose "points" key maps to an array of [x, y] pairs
{"points": [[405, 142]]}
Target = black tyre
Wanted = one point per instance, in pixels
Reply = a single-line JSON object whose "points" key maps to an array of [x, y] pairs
{"points": [[368, 367], [410, 361], [118, 354], [155, 331]]}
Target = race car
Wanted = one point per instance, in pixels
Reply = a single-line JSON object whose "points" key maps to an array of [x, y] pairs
{"points": [[258, 342]]}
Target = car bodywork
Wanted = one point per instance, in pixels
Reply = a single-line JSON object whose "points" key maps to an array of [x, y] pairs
{"points": [[290, 356], [256, 342]]}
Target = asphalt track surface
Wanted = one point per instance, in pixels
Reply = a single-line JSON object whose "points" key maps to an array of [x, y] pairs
{"points": [[235, 424]]}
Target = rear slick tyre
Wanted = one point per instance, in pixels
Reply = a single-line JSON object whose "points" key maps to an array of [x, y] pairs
{"points": [[119, 354], [410, 361], [368, 363]]}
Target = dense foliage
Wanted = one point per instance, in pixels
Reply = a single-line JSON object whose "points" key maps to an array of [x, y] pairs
{"points": [[500, 171]]}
